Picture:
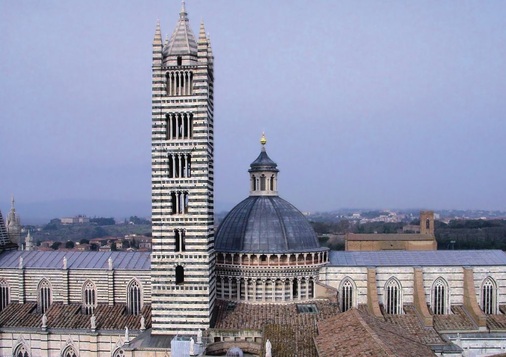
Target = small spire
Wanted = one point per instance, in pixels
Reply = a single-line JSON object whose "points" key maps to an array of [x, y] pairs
{"points": [[12, 202], [202, 32], [158, 34], [183, 8]]}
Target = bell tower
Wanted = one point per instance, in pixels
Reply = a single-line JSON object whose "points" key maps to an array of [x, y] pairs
{"points": [[182, 260]]}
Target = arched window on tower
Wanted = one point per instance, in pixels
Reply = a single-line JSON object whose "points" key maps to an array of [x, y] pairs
{"points": [[272, 183], [44, 296], [4, 294], [180, 202], [134, 297], [427, 223], [89, 297], [262, 183], [180, 244], [392, 298], [440, 296], [347, 297], [488, 296], [179, 60], [173, 201], [179, 275]]}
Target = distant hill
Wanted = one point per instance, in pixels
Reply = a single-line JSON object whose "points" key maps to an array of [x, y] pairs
{"points": [[43, 212]]}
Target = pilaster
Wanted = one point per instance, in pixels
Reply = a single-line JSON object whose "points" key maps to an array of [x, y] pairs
{"points": [[372, 293], [419, 299], [470, 302]]}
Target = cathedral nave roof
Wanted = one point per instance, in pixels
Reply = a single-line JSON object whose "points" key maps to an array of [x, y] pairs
{"points": [[75, 260], [418, 258]]}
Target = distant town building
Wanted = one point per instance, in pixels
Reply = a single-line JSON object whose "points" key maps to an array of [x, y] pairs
{"points": [[422, 239], [13, 225], [80, 219]]}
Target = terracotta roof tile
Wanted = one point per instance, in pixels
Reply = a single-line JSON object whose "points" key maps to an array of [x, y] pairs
{"points": [[458, 320], [62, 316], [356, 333]]}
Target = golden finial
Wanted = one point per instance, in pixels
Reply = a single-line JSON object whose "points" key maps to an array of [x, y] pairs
{"points": [[263, 140]]}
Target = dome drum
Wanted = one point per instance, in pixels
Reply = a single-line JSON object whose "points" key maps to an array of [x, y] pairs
{"points": [[270, 260], [273, 290]]}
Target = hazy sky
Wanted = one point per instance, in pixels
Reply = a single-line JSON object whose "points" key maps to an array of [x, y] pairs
{"points": [[379, 104]]}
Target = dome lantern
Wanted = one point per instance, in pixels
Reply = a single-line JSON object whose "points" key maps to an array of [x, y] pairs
{"points": [[263, 174]]}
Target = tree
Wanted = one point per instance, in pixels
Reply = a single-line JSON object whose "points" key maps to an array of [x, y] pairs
{"points": [[99, 232], [101, 221], [69, 244], [84, 241], [55, 245], [137, 220]]}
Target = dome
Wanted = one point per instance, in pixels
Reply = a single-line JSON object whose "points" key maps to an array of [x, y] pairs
{"points": [[265, 224]]}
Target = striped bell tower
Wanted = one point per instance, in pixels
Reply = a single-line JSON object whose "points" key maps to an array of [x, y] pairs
{"points": [[182, 260]]}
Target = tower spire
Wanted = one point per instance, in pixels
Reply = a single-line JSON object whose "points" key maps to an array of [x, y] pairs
{"points": [[183, 8]]}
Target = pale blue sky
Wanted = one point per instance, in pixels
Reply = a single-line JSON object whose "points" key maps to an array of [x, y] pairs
{"points": [[379, 104]]}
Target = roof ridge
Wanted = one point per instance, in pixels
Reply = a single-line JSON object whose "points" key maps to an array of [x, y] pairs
{"points": [[373, 333]]}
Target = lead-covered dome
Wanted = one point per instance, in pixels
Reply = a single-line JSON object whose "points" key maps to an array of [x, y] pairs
{"points": [[265, 224]]}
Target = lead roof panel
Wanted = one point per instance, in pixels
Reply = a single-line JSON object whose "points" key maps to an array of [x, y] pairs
{"points": [[76, 260], [419, 258]]}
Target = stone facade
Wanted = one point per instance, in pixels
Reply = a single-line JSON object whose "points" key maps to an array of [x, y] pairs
{"points": [[52, 302]]}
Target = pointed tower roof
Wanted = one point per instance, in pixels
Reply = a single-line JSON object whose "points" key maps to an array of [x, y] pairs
{"points": [[202, 32], [182, 41], [12, 217], [158, 34]]}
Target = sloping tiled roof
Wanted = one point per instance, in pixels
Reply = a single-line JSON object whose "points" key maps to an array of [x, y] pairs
{"points": [[355, 333], [497, 322], [389, 237], [418, 258], [410, 322], [289, 331], [76, 260], [60, 316], [458, 320]]}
